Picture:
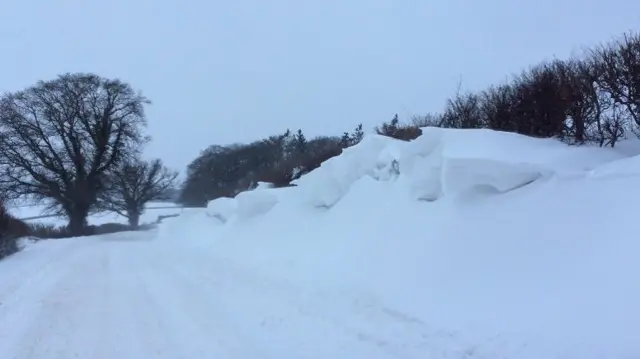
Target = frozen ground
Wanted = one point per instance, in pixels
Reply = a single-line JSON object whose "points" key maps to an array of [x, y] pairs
{"points": [[462, 244]]}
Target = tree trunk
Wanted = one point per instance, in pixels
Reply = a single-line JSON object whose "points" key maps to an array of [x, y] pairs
{"points": [[578, 121], [134, 218], [78, 222]]}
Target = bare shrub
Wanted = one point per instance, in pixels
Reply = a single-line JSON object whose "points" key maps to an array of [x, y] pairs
{"points": [[395, 129], [11, 229]]}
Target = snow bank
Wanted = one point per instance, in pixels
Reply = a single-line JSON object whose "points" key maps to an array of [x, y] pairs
{"points": [[222, 208], [325, 186], [248, 204], [446, 162], [464, 175], [532, 272], [441, 162], [254, 203]]}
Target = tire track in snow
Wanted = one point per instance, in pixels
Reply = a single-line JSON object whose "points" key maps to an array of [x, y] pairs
{"points": [[37, 296], [274, 310], [205, 329], [134, 298]]}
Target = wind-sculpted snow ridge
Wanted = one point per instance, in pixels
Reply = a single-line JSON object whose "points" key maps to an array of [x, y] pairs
{"points": [[439, 163]]}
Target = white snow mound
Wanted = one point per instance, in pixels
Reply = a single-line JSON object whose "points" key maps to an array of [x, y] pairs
{"points": [[325, 186], [255, 202], [222, 208], [441, 162]]}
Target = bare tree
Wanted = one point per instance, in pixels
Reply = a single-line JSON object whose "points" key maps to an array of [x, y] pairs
{"points": [[133, 185], [428, 120], [620, 75], [542, 101], [497, 108], [588, 101], [58, 138], [613, 128], [463, 111]]}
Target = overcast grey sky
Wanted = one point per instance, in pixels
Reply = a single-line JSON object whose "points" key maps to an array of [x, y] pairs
{"points": [[227, 71]]}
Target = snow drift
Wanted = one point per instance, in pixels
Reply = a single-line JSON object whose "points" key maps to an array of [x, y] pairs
{"points": [[439, 163], [510, 243]]}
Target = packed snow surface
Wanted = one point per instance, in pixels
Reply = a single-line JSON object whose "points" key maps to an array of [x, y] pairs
{"points": [[460, 244]]}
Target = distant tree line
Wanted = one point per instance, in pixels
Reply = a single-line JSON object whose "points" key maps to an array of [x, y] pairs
{"points": [[594, 98], [75, 143], [224, 171]]}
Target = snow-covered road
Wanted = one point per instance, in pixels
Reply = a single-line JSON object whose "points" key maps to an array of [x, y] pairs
{"points": [[133, 296]]}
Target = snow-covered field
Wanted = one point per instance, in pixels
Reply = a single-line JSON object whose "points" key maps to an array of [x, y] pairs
{"points": [[38, 214], [461, 244]]}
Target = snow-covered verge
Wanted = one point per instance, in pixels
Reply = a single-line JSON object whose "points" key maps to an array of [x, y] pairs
{"points": [[517, 247]]}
